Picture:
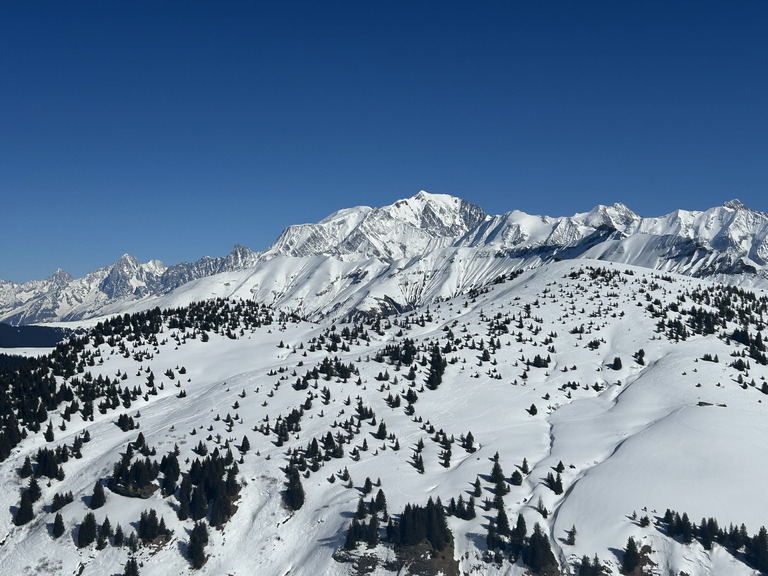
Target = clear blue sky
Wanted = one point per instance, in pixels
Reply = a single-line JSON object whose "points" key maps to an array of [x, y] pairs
{"points": [[173, 130]]}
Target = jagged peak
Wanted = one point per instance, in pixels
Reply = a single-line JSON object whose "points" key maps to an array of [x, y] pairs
{"points": [[734, 204]]}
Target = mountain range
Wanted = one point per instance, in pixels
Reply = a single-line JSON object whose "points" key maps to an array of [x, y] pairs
{"points": [[419, 249], [419, 389], [406, 254]]}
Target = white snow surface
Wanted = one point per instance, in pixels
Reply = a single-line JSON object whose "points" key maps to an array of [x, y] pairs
{"points": [[641, 443]]}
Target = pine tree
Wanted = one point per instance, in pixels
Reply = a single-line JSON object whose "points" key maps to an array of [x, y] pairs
{"points": [[26, 469], [538, 554], [245, 445], [98, 498], [131, 568], [105, 531], [198, 506], [502, 523], [25, 513], [294, 494], [58, 525], [196, 548], [631, 557], [34, 490], [86, 534], [470, 513], [571, 539], [372, 532], [119, 538], [519, 533], [361, 511]]}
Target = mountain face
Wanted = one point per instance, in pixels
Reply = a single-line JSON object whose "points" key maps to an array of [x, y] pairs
{"points": [[62, 297], [427, 247]]}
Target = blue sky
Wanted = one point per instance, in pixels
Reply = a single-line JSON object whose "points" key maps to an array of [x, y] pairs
{"points": [[173, 130]]}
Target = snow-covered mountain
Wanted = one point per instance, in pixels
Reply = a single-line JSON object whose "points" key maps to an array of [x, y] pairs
{"points": [[417, 250], [606, 393]]}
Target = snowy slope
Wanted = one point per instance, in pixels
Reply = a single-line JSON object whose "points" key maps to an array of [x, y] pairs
{"points": [[674, 432]]}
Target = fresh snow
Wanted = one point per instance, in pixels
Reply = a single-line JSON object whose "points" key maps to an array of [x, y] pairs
{"points": [[640, 445]]}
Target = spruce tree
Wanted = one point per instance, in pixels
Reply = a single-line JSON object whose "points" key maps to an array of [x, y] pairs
{"points": [[86, 534], [294, 494], [196, 548], [58, 525], [25, 513], [119, 538], [131, 568], [198, 506], [502, 523], [98, 498], [538, 554], [26, 469], [631, 557], [34, 490], [105, 533]]}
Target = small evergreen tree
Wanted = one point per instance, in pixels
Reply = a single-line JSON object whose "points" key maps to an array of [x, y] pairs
{"points": [[86, 534], [571, 538], [98, 498], [34, 490], [119, 538], [631, 557], [131, 568], [25, 513], [196, 548], [58, 525], [294, 494]]}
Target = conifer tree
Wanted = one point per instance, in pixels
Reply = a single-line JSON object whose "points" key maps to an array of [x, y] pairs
{"points": [[25, 513], [86, 534], [131, 568], [294, 494], [502, 523], [198, 506], [631, 557], [58, 525], [98, 498], [538, 554], [119, 538], [196, 548], [34, 490]]}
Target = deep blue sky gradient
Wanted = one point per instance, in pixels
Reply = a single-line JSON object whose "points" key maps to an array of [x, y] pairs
{"points": [[172, 130]]}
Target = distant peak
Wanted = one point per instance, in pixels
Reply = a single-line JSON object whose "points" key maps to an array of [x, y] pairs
{"points": [[734, 204]]}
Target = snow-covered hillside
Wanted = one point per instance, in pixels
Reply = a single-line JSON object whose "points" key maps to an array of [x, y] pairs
{"points": [[648, 387], [411, 253]]}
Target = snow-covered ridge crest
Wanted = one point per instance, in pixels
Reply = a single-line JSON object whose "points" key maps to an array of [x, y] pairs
{"points": [[416, 250], [404, 229]]}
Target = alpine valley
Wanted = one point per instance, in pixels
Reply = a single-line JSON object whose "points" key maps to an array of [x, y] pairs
{"points": [[421, 388]]}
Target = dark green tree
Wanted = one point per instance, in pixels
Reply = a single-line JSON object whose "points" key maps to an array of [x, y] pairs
{"points": [[98, 498], [25, 513], [196, 548], [631, 557], [86, 533], [538, 554], [131, 568], [294, 493], [34, 490], [58, 525]]}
